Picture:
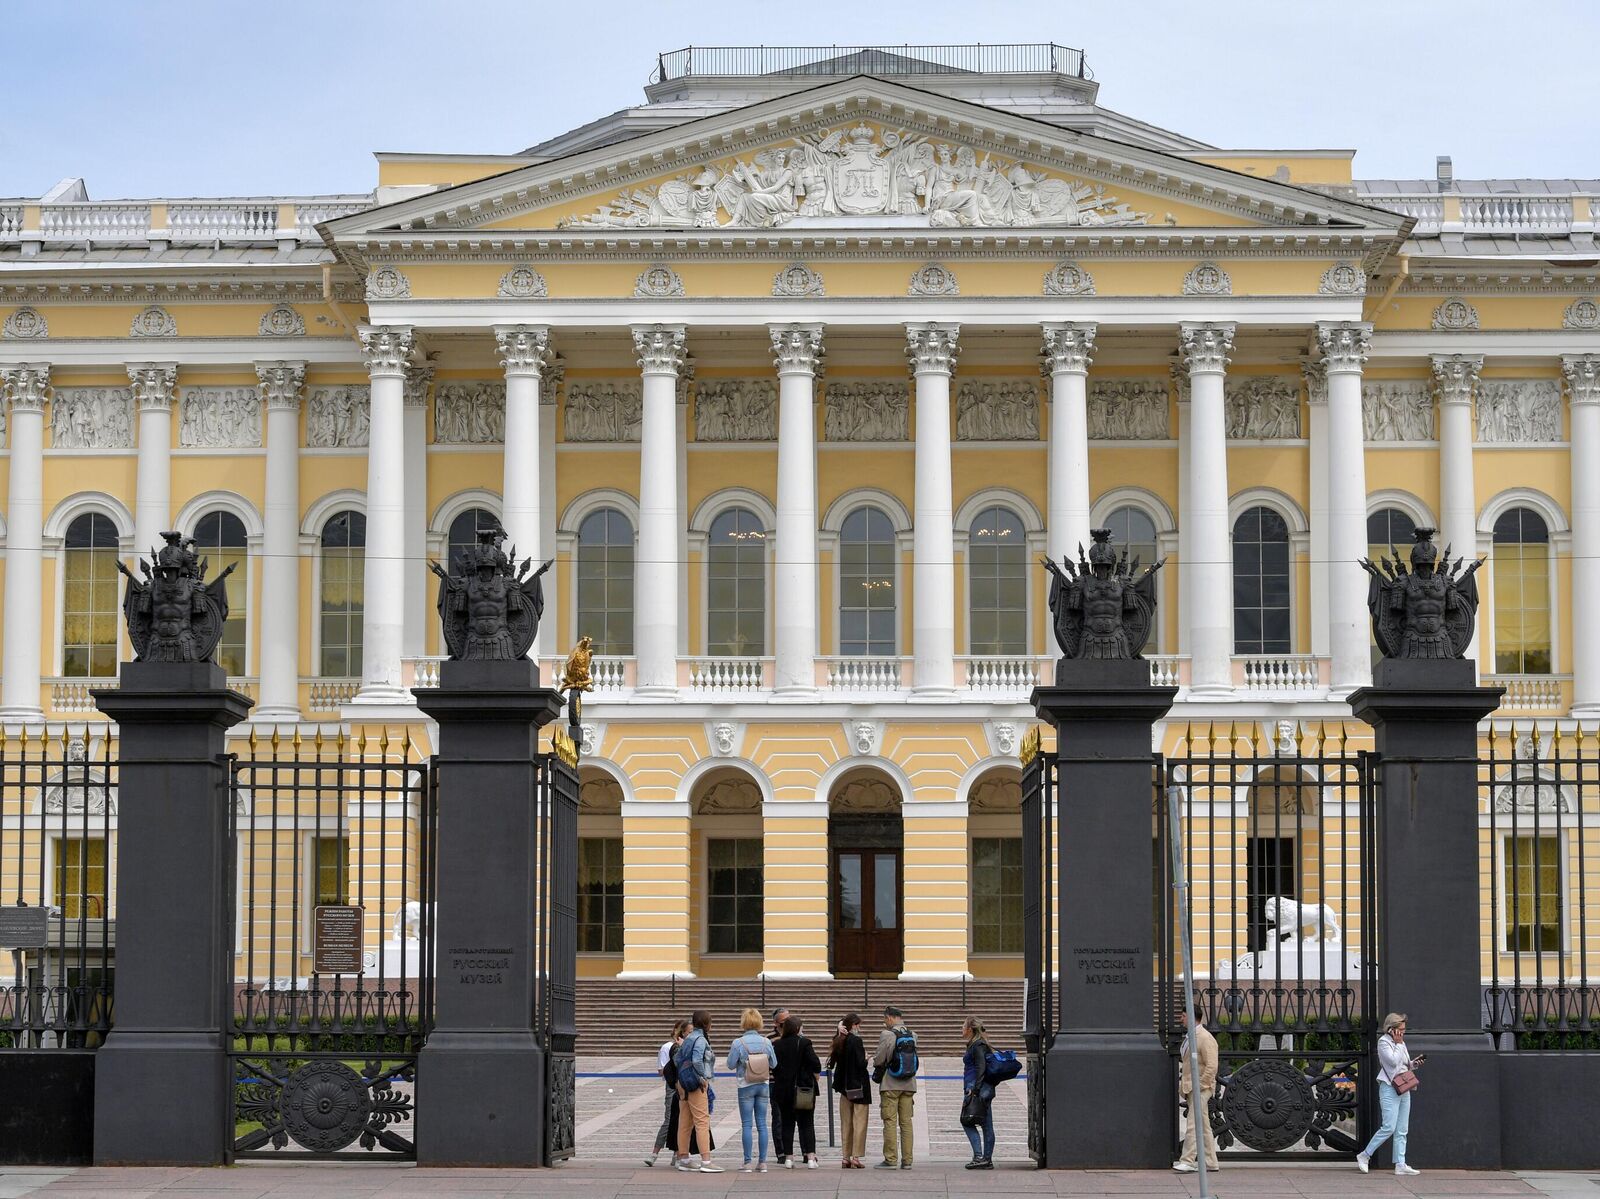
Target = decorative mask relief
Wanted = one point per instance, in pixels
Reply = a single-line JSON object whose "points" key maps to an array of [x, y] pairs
{"points": [[997, 410], [867, 410], [469, 413], [1519, 410], [864, 736], [844, 175], [219, 417], [736, 410], [338, 416], [602, 410], [724, 738], [1005, 737], [1397, 409], [1262, 408], [1128, 410], [92, 418]]}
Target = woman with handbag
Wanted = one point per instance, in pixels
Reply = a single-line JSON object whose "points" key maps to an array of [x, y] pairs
{"points": [[847, 1060], [752, 1060], [1397, 1078], [794, 1093], [977, 1102]]}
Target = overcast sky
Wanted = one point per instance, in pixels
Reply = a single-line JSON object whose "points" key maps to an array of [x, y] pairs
{"points": [[220, 97]]}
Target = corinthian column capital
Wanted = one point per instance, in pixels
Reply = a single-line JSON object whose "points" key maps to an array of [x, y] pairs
{"points": [[26, 386], [932, 348], [661, 349], [524, 349], [1068, 347], [1344, 344], [796, 349], [281, 383], [1582, 375], [1205, 347], [419, 377], [387, 348], [152, 384], [1455, 376]]}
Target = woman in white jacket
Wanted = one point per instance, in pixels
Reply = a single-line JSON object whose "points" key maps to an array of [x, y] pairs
{"points": [[1393, 1059]]}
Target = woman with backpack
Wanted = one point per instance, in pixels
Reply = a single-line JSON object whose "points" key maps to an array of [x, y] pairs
{"points": [[696, 1065], [794, 1091], [751, 1057], [847, 1059], [977, 1104]]}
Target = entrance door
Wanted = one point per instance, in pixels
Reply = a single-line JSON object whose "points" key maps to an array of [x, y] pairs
{"points": [[1272, 872], [867, 934]]}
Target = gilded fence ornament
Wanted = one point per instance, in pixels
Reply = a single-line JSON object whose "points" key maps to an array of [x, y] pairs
{"points": [[173, 614], [1103, 605], [490, 605], [1427, 611], [575, 675]]}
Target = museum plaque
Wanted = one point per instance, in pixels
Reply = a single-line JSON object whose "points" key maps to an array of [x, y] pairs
{"points": [[336, 939], [23, 927]]}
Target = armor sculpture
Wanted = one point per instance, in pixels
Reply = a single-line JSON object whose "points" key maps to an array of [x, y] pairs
{"points": [[488, 604], [1427, 611], [173, 614], [1103, 606]]}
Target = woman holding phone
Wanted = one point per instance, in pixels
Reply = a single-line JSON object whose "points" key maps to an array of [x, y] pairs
{"points": [[1397, 1079]]}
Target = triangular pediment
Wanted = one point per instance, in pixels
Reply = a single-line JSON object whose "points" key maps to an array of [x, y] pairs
{"points": [[863, 154]]}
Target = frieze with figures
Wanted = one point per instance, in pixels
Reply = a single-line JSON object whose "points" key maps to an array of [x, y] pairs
{"points": [[867, 410], [219, 417], [1128, 410], [1397, 410], [338, 416], [845, 174], [604, 410], [469, 413], [736, 410], [92, 418], [1519, 410], [1262, 408], [997, 410]]}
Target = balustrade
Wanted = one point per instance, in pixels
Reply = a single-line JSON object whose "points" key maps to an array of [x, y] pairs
{"points": [[1168, 670], [223, 222], [859, 673], [724, 674], [1011, 673], [1278, 673], [102, 221], [1531, 692], [328, 695], [420, 672], [75, 697], [187, 222], [10, 222]]}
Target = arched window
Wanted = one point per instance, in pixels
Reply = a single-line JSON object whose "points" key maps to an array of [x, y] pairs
{"points": [[1132, 527], [1262, 621], [997, 583], [219, 538], [866, 583], [736, 596], [605, 581], [1386, 528], [344, 540], [464, 531], [89, 611], [1521, 593]]}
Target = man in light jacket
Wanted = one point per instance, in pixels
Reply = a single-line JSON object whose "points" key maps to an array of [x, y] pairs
{"points": [[1198, 1109], [896, 1096]]}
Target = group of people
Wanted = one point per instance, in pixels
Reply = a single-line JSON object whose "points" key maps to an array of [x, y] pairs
{"points": [[779, 1075]]}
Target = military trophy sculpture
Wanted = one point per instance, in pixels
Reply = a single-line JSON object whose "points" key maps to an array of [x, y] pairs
{"points": [[1103, 605], [489, 605], [1427, 611], [173, 614]]}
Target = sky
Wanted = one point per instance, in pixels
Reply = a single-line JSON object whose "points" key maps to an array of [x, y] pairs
{"points": [[154, 98]]}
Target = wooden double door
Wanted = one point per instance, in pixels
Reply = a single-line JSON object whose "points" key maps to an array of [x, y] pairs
{"points": [[868, 937]]}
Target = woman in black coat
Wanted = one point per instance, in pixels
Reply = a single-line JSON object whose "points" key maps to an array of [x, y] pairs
{"points": [[797, 1067], [852, 1079]]}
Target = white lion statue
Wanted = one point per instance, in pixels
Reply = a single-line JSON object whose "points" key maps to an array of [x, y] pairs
{"points": [[1287, 917], [408, 920]]}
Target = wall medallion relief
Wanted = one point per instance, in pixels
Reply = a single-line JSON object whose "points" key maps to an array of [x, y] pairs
{"points": [[1455, 314], [282, 321], [522, 282], [1582, 313], [387, 283], [1207, 279], [933, 280], [658, 282], [154, 321], [1068, 279], [1343, 279], [797, 281], [25, 323]]}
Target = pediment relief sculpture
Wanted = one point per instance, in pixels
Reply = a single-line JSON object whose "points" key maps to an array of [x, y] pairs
{"points": [[604, 410], [219, 417], [736, 410], [92, 418], [862, 174], [1397, 410], [471, 412], [1519, 410], [338, 416], [997, 410], [866, 795], [996, 795], [600, 796], [867, 410], [1128, 410], [731, 796], [1262, 408]]}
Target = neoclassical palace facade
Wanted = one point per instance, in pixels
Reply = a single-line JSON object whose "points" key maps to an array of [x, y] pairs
{"points": [[796, 370]]}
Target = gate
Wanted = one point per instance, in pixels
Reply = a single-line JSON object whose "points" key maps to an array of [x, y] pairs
{"points": [[1038, 930], [1279, 851], [556, 954], [332, 849]]}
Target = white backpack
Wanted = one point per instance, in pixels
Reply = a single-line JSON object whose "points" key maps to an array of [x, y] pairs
{"points": [[758, 1062]]}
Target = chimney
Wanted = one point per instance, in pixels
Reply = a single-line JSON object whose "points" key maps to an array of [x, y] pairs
{"points": [[1444, 172]]}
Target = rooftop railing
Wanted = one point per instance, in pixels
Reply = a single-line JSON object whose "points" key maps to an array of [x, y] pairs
{"points": [[1492, 216], [1030, 57], [233, 222]]}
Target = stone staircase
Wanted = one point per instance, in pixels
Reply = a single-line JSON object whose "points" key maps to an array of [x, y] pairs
{"points": [[634, 1016]]}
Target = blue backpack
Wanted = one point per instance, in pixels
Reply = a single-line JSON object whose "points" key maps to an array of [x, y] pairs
{"points": [[903, 1061], [1000, 1066], [688, 1072]]}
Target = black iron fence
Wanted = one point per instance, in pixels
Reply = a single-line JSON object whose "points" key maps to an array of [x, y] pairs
{"points": [[556, 951], [870, 60], [1539, 814], [58, 808], [333, 851], [1040, 947]]}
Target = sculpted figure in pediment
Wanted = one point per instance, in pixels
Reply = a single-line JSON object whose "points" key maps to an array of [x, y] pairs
{"points": [[601, 410], [867, 410]]}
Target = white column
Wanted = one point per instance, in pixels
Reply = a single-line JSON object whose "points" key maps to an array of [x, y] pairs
{"points": [[278, 622], [1180, 380], [656, 572], [1316, 373], [1582, 373], [388, 350], [152, 510], [550, 384], [25, 388], [796, 351], [1068, 349], [523, 351], [1344, 348], [932, 350], [1455, 378], [417, 612], [1205, 349]]}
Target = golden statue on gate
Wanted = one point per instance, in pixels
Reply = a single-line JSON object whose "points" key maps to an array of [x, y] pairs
{"points": [[575, 676]]}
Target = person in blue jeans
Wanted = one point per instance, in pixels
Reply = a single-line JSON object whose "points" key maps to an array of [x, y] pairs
{"points": [[752, 1060], [1393, 1059], [974, 1072]]}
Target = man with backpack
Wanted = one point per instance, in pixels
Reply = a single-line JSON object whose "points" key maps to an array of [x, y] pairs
{"points": [[894, 1067], [696, 1064]]}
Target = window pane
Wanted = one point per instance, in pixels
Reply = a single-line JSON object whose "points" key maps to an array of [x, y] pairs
{"points": [[90, 597], [735, 896], [885, 892], [996, 894], [997, 570], [866, 583], [343, 568], [600, 894], [605, 581], [849, 890], [1521, 593], [1262, 619]]}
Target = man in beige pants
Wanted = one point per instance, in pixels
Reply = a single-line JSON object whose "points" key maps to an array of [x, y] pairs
{"points": [[1198, 1109], [896, 1096]]}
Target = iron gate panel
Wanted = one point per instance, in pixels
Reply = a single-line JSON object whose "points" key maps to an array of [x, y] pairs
{"points": [[555, 1016], [1294, 1014], [324, 1065], [1038, 935]]}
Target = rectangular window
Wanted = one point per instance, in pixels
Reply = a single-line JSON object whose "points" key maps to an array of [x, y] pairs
{"points": [[1532, 894], [997, 895], [734, 896], [600, 895], [81, 877], [331, 862]]}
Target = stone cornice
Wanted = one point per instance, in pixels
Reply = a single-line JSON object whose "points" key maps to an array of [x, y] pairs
{"points": [[73, 288], [25, 387], [1344, 344], [931, 349], [523, 349], [281, 384], [661, 349], [1205, 347], [1069, 347], [1581, 373], [796, 349], [1490, 278], [1455, 376], [152, 384], [387, 348]]}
